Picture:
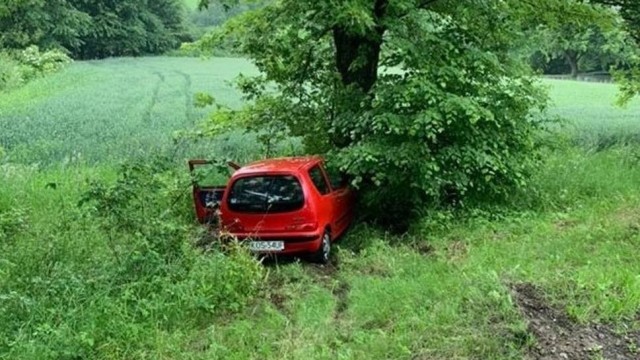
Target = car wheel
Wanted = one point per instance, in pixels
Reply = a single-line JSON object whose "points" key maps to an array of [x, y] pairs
{"points": [[323, 254]]}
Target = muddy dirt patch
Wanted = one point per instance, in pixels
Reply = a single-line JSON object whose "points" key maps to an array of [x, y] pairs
{"points": [[424, 248], [558, 337], [341, 293]]}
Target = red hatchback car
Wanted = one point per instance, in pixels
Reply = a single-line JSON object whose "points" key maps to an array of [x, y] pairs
{"points": [[280, 206]]}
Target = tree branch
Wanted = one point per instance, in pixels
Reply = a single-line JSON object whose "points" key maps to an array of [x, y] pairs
{"points": [[426, 3]]}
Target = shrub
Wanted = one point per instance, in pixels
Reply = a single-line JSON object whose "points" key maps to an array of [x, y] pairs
{"points": [[10, 75], [35, 62], [19, 67]]}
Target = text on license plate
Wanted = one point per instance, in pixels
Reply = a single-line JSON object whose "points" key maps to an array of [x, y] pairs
{"points": [[266, 245]]}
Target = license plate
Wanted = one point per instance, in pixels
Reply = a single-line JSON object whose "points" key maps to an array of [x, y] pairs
{"points": [[266, 245]]}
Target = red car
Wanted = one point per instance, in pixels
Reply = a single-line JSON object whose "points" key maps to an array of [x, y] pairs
{"points": [[279, 206]]}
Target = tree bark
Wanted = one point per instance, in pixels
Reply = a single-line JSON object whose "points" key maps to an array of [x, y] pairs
{"points": [[572, 60], [358, 55]]}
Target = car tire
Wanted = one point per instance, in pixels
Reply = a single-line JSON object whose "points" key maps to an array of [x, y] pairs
{"points": [[323, 254]]}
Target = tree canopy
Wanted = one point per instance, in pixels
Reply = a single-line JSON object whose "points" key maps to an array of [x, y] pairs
{"points": [[630, 12], [93, 28], [628, 78], [600, 43]]}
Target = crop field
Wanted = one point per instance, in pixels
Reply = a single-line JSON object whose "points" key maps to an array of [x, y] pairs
{"points": [[98, 111], [94, 265], [591, 118]]}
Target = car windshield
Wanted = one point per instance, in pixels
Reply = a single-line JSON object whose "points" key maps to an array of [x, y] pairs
{"points": [[266, 194]]}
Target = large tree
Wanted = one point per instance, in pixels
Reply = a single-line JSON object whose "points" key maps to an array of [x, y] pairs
{"points": [[418, 100]]}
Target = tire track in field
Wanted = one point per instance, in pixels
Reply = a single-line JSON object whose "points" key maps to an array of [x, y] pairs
{"points": [[329, 277], [186, 91], [181, 144], [146, 117]]}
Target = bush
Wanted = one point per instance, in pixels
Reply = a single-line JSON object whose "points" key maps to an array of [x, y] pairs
{"points": [[10, 75], [35, 62], [19, 67]]}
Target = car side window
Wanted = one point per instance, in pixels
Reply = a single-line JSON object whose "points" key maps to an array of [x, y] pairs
{"points": [[318, 180], [335, 178]]}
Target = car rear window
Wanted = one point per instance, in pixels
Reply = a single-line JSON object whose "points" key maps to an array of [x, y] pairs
{"points": [[266, 194]]}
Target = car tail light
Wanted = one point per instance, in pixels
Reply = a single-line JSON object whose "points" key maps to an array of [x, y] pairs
{"points": [[302, 227]]}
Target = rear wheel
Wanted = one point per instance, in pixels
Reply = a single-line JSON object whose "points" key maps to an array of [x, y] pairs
{"points": [[323, 254]]}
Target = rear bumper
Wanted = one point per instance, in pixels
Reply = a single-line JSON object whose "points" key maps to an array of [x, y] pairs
{"points": [[294, 243]]}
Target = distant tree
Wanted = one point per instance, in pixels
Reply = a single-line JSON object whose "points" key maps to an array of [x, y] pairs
{"points": [[217, 12], [45, 23], [584, 45], [93, 28], [130, 28], [628, 78]]}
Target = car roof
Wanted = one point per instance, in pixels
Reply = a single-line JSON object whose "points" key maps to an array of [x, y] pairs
{"points": [[282, 164]]}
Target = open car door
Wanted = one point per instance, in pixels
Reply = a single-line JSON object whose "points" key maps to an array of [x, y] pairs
{"points": [[209, 179]]}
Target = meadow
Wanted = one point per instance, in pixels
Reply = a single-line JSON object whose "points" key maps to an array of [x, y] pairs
{"points": [[94, 265]]}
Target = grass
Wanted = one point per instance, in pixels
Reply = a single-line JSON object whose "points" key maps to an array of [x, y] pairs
{"points": [[444, 291], [75, 285]]}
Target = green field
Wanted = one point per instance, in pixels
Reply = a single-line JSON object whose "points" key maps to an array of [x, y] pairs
{"points": [[100, 111], [75, 283], [593, 120]]}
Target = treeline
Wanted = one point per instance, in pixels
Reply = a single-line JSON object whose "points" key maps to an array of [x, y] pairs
{"points": [[90, 29], [574, 46]]}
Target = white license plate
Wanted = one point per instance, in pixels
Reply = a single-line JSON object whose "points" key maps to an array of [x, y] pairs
{"points": [[266, 245]]}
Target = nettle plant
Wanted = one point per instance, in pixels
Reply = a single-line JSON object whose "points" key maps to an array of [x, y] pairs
{"points": [[140, 214], [418, 101]]}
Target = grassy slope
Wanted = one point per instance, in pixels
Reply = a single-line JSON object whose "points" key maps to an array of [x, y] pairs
{"points": [[447, 294], [441, 292]]}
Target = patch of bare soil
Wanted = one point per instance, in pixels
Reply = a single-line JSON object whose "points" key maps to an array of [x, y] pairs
{"points": [[630, 218], [424, 248], [324, 274], [341, 293], [280, 300], [565, 224], [457, 251], [558, 337], [324, 270]]}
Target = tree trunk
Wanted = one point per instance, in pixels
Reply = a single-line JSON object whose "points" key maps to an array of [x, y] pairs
{"points": [[572, 59], [357, 56]]}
